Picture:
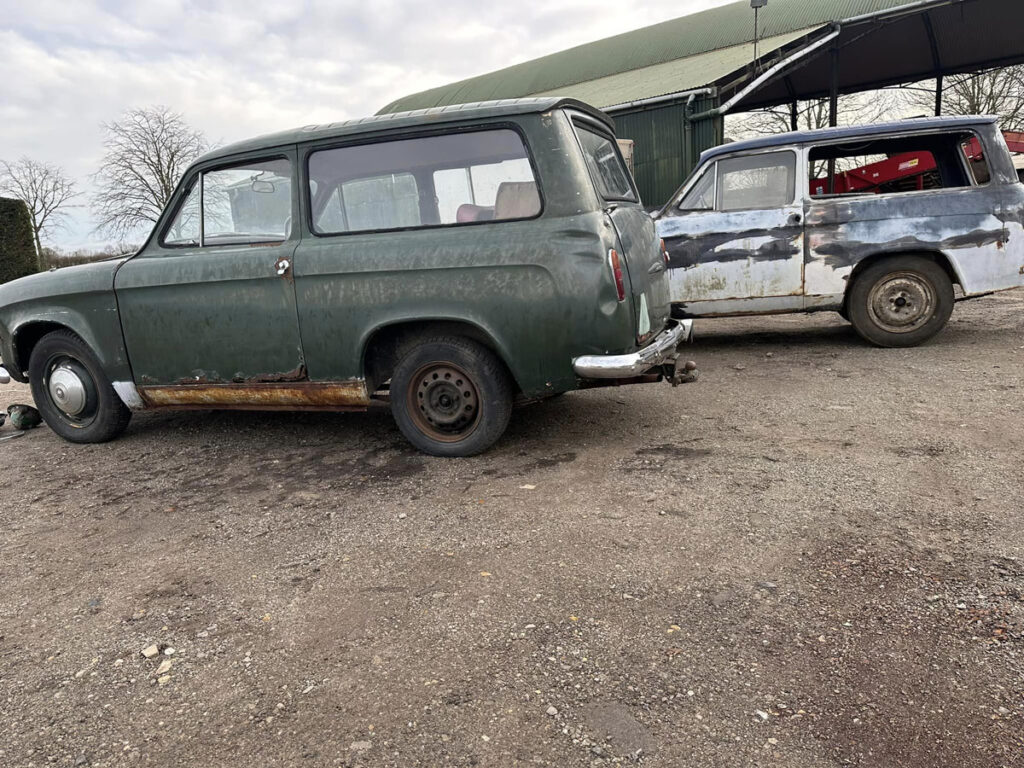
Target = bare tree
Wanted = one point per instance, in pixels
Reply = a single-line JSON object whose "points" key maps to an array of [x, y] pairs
{"points": [[46, 190], [856, 109], [146, 152], [996, 92]]}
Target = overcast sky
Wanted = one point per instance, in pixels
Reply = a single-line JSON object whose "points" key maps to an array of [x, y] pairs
{"points": [[238, 68]]}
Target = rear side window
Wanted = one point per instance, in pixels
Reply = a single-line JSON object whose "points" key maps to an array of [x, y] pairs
{"points": [[898, 164], [756, 182], [606, 165], [459, 178]]}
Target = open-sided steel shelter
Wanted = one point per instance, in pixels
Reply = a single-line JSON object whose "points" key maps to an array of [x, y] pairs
{"points": [[669, 85]]}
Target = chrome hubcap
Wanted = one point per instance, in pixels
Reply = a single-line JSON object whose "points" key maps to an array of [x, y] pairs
{"points": [[68, 391], [902, 302]]}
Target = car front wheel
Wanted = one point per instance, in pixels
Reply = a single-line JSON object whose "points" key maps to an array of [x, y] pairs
{"points": [[451, 396], [72, 392], [901, 302]]}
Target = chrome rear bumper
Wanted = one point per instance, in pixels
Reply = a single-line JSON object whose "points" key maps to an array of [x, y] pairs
{"points": [[659, 352], [5, 377]]}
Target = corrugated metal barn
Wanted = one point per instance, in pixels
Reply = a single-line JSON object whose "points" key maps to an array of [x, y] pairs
{"points": [[668, 86]]}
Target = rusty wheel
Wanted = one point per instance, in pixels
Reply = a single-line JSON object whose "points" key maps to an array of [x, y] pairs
{"points": [[901, 301], [451, 396], [444, 402]]}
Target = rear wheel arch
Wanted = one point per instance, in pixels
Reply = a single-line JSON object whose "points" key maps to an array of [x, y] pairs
{"points": [[869, 261], [386, 343], [902, 300]]}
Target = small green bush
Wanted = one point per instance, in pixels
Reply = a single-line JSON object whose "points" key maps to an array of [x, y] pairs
{"points": [[17, 246]]}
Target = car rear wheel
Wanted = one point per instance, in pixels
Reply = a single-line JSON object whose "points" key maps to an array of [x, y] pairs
{"points": [[72, 392], [901, 302], [451, 396]]}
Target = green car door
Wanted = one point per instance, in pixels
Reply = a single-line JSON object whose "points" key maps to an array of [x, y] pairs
{"points": [[209, 304]]}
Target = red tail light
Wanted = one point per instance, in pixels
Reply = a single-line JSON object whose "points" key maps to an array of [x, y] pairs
{"points": [[616, 265], [664, 252]]}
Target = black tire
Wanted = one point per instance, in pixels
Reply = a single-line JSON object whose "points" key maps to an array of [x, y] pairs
{"points": [[102, 416], [451, 396], [900, 302]]}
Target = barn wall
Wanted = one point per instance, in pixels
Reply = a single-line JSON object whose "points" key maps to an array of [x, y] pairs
{"points": [[667, 145]]}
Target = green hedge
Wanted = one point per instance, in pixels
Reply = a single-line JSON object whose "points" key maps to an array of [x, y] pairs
{"points": [[17, 247]]}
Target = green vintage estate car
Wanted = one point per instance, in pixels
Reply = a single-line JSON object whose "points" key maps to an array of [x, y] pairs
{"points": [[449, 260]]}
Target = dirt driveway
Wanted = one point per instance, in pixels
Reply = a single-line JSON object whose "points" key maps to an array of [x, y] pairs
{"points": [[814, 557]]}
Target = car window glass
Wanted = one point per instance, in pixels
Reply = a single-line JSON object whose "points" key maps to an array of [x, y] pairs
{"points": [[381, 202], [899, 164], [184, 229], [610, 173], [332, 216], [756, 182], [248, 203], [701, 196], [458, 178], [476, 187]]}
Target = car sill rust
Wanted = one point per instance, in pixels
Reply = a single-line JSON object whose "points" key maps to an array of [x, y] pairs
{"points": [[290, 396]]}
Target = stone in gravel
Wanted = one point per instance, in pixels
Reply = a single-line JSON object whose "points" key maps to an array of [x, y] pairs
{"points": [[169, 651], [722, 598], [164, 679], [552, 711], [761, 714], [933, 598], [771, 586], [150, 651], [740, 367], [164, 668], [360, 746]]}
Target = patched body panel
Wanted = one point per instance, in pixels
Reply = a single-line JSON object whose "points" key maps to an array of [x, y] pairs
{"points": [[728, 263]]}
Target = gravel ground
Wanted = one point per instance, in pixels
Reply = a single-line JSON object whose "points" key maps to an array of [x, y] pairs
{"points": [[813, 557]]}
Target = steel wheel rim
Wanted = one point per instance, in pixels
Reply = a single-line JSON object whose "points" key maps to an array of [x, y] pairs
{"points": [[71, 390], [902, 302], [444, 402]]}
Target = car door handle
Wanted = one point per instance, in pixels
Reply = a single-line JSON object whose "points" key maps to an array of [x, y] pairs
{"points": [[795, 219], [282, 265]]}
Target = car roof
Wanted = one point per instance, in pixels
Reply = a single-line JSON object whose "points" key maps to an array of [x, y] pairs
{"points": [[398, 120], [850, 132]]}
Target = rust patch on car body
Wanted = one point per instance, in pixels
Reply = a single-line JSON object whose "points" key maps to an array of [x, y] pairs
{"points": [[301, 396], [296, 374], [204, 377]]}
